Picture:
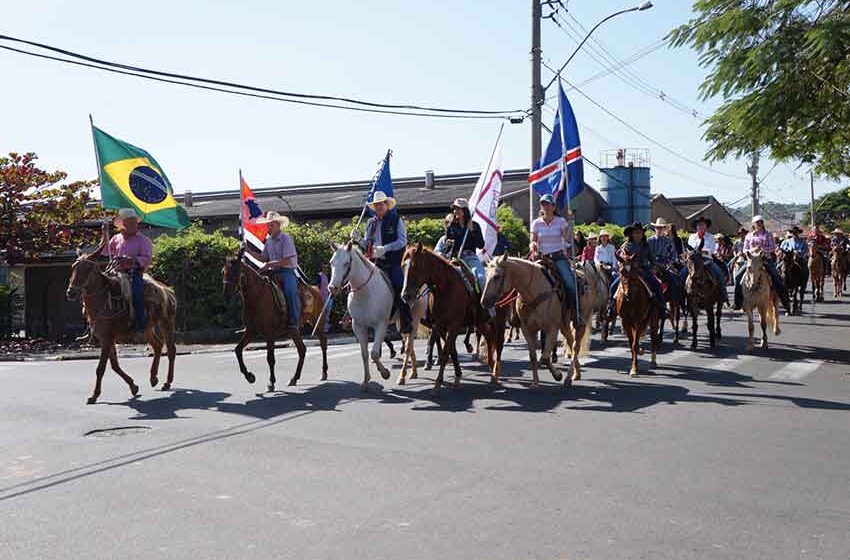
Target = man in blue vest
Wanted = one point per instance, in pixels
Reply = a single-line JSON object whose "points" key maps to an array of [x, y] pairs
{"points": [[384, 242]]}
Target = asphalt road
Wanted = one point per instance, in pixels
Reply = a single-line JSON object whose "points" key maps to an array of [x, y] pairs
{"points": [[715, 454]]}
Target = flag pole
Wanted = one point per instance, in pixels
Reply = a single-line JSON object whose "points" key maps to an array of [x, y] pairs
{"points": [[571, 237], [375, 178], [100, 183], [486, 174]]}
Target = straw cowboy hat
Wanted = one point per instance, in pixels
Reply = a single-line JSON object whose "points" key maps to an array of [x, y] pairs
{"points": [[460, 203], [274, 217], [758, 218], [704, 219], [660, 223], [605, 233], [381, 196], [838, 230], [125, 214], [718, 236], [592, 235]]}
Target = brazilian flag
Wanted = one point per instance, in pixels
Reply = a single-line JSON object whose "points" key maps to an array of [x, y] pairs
{"points": [[131, 178]]}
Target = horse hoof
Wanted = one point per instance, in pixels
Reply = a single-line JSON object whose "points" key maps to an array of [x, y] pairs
{"points": [[364, 387], [166, 387], [324, 377], [414, 375], [270, 387], [249, 377], [154, 381], [568, 382], [469, 348], [641, 351], [91, 400], [576, 377], [293, 382], [456, 384], [134, 390], [777, 332], [633, 373], [385, 374], [494, 382], [557, 376], [401, 381]]}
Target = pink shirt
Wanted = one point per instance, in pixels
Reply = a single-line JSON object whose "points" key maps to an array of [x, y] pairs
{"points": [[136, 246], [550, 237], [761, 239], [279, 248]]}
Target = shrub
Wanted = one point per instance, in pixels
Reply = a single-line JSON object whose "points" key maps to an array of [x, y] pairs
{"points": [[513, 229]]}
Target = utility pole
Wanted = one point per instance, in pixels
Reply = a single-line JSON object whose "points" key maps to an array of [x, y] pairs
{"points": [[753, 170], [536, 95], [812, 221]]}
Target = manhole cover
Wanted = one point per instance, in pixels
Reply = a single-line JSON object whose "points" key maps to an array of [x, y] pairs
{"points": [[118, 431]]}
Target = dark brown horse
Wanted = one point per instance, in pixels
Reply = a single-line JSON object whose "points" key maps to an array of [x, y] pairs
{"points": [[703, 292], [633, 303], [817, 272], [108, 314], [452, 308], [262, 316], [793, 275]]}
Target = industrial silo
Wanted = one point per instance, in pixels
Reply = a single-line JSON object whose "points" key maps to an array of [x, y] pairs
{"points": [[625, 186]]}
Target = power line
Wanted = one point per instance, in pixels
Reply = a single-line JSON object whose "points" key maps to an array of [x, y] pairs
{"points": [[104, 65]]}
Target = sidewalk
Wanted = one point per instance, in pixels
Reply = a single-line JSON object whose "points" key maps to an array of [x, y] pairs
{"points": [[141, 350]]}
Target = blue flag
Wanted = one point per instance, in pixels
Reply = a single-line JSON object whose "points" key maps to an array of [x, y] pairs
{"points": [[563, 151], [383, 182]]}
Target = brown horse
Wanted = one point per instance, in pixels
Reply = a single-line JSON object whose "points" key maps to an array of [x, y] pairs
{"points": [[838, 261], [758, 294], [452, 308], [793, 275], [633, 304], [817, 272], [262, 316], [108, 314], [703, 292]]}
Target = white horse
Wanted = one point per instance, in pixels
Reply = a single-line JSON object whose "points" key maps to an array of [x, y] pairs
{"points": [[370, 304]]}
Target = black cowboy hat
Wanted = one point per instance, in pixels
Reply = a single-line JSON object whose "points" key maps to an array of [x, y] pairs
{"points": [[743, 230], [627, 231], [795, 229], [701, 219]]}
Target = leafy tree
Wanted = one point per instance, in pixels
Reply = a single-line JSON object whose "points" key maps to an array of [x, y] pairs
{"points": [[39, 211], [513, 229], [833, 209], [782, 68], [426, 230]]}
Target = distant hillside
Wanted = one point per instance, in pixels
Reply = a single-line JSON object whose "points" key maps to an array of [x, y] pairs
{"points": [[777, 211]]}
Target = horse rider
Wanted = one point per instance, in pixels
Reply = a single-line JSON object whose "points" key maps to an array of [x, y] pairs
{"points": [[549, 237], [280, 258], [589, 251], [738, 246], [709, 248], [664, 251], [794, 243], [462, 227], [642, 256], [838, 239], [132, 252], [442, 247], [603, 256], [385, 241], [821, 244], [762, 239]]}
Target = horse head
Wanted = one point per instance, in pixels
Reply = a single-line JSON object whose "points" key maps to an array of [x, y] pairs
{"points": [[82, 271], [341, 262], [415, 266], [626, 267], [231, 272], [494, 287]]}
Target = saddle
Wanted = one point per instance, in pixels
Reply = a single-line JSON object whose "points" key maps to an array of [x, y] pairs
{"points": [[121, 295], [553, 275], [304, 292], [466, 274]]}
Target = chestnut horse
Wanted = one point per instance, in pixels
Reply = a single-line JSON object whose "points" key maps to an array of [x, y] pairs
{"points": [[633, 303], [793, 275], [758, 294], [703, 292], [817, 272], [262, 316], [452, 308], [838, 261], [108, 314]]}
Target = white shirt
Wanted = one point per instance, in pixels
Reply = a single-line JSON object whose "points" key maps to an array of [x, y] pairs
{"points": [[604, 254], [709, 247], [550, 237]]}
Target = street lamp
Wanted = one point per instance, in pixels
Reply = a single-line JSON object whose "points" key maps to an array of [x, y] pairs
{"points": [[288, 205], [644, 6]]}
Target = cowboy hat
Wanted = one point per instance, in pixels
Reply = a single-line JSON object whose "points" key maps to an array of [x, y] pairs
{"points": [[704, 219], [660, 223], [627, 231], [460, 203], [838, 230], [758, 218], [274, 217], [381, 196], [604, 233], [547, 199], [125, 214], [794, 230], [593, 235], [718, 236], [743, 230]]}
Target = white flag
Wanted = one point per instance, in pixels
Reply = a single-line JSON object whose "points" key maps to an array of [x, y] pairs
{"points": [[485, 200]]}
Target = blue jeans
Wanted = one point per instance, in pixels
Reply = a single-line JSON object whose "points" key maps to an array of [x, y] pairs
{"points": [[567, 276], [137, 284], [287, 279], [474, 263]]}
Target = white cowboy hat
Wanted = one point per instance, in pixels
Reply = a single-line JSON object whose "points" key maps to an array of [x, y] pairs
{"points": [[604, 233], [660, 223], [273, 217], [381, 196], [758, 218], [838, 230], [593, 235], [125, 214], [718, 236], [460, 203]]}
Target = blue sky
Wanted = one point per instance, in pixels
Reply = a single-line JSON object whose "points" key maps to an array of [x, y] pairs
{"points": [[469, 54]]}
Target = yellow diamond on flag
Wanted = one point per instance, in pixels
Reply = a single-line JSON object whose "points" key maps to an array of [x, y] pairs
{"points": [[142, 182]]}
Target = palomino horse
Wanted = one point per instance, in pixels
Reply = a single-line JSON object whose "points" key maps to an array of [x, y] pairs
{"points": [[600, 278], [838, 261], [703, 292], [758, 294], [109, 318], [262, 316], [633, 303], [793, 275], [817, 272], [452, 308], [370, 304]]}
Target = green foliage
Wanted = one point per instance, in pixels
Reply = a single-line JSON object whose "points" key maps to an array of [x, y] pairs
{"points": [[615, 231], [313, 243], [191, 261], [513, 229], [833, 209], [7, 309], [426, 230], [782, 70]]}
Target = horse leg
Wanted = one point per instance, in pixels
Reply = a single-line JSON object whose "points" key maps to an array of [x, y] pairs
{"points": [[302, 352], [466, 341], [455, 363], [113, 362], [156, 345], [694, 314], [675, 322], [444, 358], [750, 328], [655, 336], [712, 343], [389, 344], [246, 339], [380, 333], [407, 349], [634, 344], [167, 330], [718, 314], [361, 332], [105, 350], [433, 340], [271, 361], [763, 311], [323, 343], [580, 333]]}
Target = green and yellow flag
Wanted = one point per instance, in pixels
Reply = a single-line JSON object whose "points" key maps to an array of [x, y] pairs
{"points": [[131, 178]]}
